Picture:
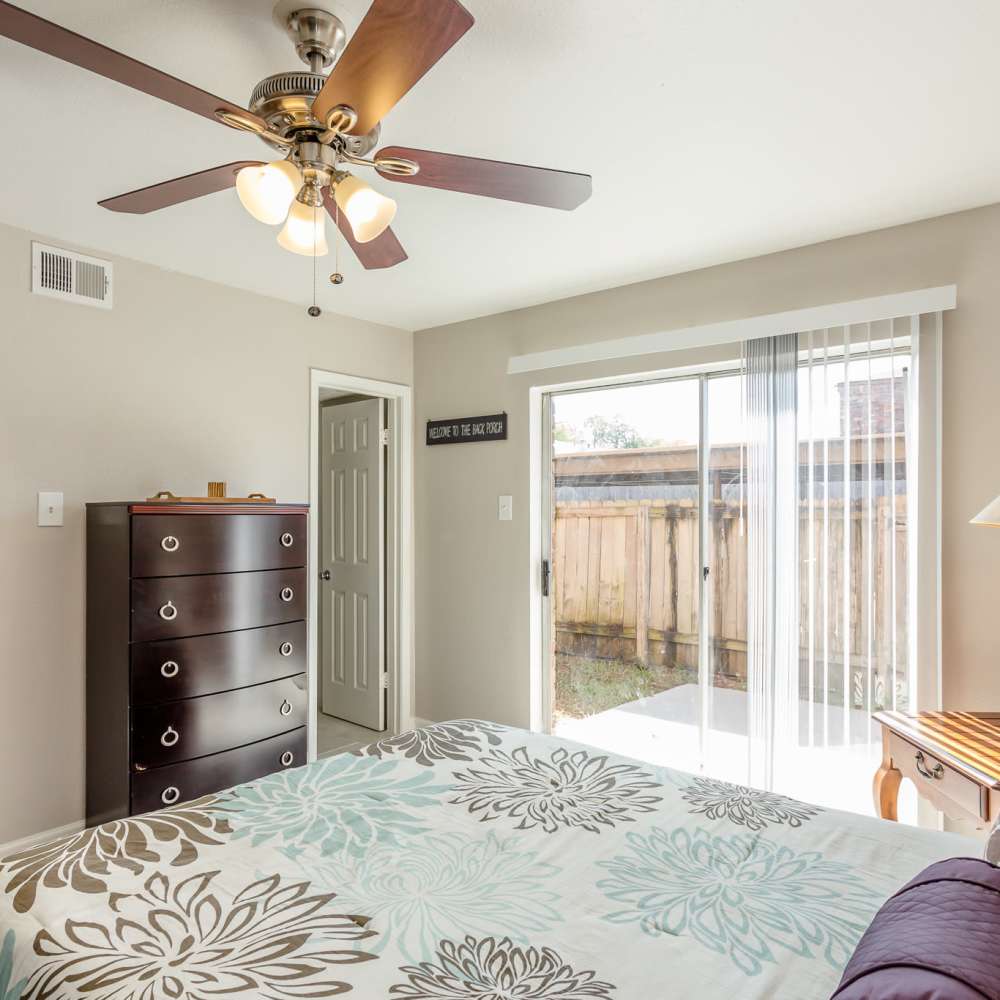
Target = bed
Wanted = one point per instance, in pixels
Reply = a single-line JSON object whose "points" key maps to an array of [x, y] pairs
{"points": [[462, 861]]}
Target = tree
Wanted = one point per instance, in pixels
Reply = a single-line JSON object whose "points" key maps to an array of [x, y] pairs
{"points": [[613, 433]]}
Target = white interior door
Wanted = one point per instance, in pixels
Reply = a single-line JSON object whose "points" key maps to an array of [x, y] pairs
{"points": [[352, 562]]}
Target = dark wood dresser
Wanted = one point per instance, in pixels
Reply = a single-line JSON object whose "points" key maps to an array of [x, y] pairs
{"points": [[196, 650]]}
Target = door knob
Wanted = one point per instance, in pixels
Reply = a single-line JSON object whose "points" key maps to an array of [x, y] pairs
{"points": [[325, 575]]}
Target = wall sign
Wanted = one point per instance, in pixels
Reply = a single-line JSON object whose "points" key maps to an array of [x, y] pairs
{"points": [[461, 430]]}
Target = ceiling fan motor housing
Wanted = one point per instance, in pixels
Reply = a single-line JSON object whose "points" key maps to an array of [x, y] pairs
{"points": [[285, 101]]}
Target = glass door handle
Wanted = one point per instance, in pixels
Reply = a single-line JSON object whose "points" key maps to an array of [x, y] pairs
{"points": [[546, 576]]}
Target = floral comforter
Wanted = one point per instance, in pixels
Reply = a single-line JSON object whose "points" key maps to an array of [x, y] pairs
{"points": [[462, 861]]}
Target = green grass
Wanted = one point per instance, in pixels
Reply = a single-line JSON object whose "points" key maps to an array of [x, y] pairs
{"points": [[585, 686]]}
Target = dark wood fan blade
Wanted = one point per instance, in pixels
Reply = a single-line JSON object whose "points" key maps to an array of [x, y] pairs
{"points": [[156, 196], [383, 251], [395, 45], [492, 178], [37, 33]]}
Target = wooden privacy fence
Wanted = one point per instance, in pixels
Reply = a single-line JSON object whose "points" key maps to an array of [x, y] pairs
{"points": [[627, 581]]}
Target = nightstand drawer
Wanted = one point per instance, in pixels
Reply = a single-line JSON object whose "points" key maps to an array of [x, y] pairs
{"points": [[935, 778]]}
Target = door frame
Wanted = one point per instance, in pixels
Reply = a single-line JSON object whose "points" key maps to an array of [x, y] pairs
{"points": [[399, 561], [540, 503]]}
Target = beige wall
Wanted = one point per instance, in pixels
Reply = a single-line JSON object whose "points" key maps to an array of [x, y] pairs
{"points": [[472, 571], [182, 382]]}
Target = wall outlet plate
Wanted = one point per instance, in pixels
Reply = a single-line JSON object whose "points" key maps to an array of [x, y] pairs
{"points": [[505, 508], [50, 509]]}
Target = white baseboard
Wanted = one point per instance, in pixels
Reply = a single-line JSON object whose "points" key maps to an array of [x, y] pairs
{"points": [[44, 837]]}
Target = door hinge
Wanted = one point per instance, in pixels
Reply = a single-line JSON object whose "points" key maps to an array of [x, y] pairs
{"points": [[385, 682], [383, 436]]}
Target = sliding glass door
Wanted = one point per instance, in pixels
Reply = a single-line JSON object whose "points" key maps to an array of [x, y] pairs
{"points": [[666, 577]]}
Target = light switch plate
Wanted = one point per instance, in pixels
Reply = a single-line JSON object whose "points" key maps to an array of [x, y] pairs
{"points": [[505, 509], [50, 510]]}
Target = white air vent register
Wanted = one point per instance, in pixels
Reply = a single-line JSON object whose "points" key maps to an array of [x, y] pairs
{"points": [[74, 277]]}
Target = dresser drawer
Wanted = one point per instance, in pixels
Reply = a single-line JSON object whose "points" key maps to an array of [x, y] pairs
{"points": [[936, 779], [180, 782], [169, 607], [187, 544], [169, 669], [180, 730]]}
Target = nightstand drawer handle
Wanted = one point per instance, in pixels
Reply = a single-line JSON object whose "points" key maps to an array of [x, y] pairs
{"points": [[286, 708], [168, 612], [170, 737], [286, 649], [287, 594], [287, 540], [287, 758], [170, 795], [937, 771], [170, 543], [170, 668]]}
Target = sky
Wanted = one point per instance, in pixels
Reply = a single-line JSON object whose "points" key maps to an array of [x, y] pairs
{"points": [[668, 411]]}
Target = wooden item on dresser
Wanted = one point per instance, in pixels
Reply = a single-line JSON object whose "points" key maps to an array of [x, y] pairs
{"points": [[952, 757], [196, 650]]}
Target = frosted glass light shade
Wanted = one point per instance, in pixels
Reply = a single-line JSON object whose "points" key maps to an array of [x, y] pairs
{"points": [[368, 212], [267, 190], [305, 231], [990, 514]]}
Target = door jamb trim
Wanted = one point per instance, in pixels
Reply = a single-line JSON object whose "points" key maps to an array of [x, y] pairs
{"points": [[399, 716]]}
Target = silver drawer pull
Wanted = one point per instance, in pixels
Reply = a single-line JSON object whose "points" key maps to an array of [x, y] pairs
{"points": [[170, 736], [170, 795], [286, 649], [170, 543], [287, 594], [287, 758], [937, 771], [287, 540], [286, 708], [170, 668], [168, 612]]}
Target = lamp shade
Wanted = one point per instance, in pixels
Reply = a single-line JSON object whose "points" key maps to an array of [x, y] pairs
{"points": [[305, 231], [368, 212], [990, 514], [267, 190]]}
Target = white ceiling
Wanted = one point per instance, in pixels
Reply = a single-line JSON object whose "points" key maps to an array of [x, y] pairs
{"points": [[714, 129]]}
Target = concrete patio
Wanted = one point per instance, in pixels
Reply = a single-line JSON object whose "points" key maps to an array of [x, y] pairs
{"points": [[664, 729]]}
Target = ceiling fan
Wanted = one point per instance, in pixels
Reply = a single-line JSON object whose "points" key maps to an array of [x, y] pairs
{"points": [[323, 124]]}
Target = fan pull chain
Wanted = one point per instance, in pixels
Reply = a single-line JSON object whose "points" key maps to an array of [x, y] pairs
{"points": [[314, 310], [336, 278]]}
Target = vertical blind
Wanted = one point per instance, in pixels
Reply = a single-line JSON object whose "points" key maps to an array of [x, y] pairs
{"points": [[772, 544], [829, 559]]}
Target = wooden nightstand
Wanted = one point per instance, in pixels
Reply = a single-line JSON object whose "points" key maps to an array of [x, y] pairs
{"points": [[952, 757]]}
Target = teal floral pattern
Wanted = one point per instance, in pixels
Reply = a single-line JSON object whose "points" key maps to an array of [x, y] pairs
{"points": [[447, 885], [743, 896], [9, 991], [344, 803], [462, 861]]}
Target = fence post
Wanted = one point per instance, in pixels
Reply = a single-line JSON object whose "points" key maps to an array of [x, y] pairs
{"points": [[642, 553]]}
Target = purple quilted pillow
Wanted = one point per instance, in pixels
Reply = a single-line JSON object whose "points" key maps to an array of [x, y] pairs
{"points": [[938, 938]]}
